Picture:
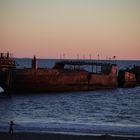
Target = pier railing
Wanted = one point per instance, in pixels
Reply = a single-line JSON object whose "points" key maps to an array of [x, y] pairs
{"points": [[95, 67]]}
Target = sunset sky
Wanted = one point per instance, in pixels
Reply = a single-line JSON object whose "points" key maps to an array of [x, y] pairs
{"points": [[50, 28]]}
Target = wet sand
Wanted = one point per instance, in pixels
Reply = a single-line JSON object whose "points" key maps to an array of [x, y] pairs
{"points": [[52, 136]]}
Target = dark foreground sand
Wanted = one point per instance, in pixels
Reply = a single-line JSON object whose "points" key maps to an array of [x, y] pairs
{"points": [[52, 136]]}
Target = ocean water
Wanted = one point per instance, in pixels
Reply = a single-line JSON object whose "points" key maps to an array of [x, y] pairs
{"points": [[115, 112]]}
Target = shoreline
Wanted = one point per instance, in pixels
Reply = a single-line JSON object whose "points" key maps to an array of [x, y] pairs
{"points": [[58, 136]]}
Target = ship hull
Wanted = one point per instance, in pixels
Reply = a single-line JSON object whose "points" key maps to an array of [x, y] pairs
{"points": [[126, 79], [53, 80]]}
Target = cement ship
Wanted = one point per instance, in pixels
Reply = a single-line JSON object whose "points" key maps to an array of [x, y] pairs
{"points": [[65, 76], [129, 77]]}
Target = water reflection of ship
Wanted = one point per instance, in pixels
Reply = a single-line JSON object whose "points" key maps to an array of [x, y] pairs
{"points": [[64, 76]]}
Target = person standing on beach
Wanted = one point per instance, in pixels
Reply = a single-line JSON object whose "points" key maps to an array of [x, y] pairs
{"points": [[11, 127]]}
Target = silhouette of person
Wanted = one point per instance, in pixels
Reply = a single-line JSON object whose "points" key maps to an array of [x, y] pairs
{"points": [[11, 127]]}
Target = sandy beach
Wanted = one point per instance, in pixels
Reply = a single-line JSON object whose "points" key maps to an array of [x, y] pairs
{"points": [[52, 136]]}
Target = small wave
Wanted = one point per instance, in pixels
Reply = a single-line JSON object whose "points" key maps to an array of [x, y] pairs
{"points": [[1, 89]]}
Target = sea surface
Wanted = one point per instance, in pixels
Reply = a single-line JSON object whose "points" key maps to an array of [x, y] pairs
{"points": [[115, 112]]}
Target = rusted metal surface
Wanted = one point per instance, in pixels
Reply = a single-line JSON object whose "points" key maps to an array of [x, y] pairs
{"points": [[126, 78], [57, 79]]}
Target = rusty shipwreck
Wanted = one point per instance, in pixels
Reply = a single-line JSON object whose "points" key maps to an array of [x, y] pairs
{"points": [[64, 76]]}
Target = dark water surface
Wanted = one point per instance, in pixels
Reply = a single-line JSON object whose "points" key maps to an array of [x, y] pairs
{"points": [[105, 111]]}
